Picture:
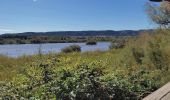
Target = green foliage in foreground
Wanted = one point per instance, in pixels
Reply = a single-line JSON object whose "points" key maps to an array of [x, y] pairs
{"points": [[85, 81], [130, 73]]}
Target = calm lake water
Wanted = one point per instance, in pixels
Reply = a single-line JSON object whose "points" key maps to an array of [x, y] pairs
{"points": [[14, 50]]}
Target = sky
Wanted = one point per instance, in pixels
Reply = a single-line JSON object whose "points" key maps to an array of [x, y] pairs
{"points": [[72, 15]]}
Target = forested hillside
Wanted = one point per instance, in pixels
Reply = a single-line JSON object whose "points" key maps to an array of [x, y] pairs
{"points": [[66, 36], [77, 33]]}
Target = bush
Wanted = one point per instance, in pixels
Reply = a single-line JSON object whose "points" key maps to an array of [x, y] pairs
{"points": [[91, 43], [116, 45], [157, 57], [72, 48], [85, 82], [138, 54]]}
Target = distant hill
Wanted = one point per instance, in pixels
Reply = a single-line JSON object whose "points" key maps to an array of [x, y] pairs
{"points": [[65, 36], [77, 33]]}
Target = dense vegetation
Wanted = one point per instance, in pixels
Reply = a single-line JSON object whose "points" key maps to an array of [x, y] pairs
{"points": [[56, 39], [72, 48], [130, 73], [78, 33], [65, 36], [48, 39], [130, 70], [91, 42]]}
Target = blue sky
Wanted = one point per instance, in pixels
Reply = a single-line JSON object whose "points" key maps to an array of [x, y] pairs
{"points": [[64, 15]]}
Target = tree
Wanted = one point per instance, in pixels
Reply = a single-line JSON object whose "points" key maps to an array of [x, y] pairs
{"points": [[160, 14], [159, 0]]}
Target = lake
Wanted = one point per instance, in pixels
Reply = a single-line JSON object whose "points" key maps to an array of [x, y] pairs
{"points": [[16, 50]]}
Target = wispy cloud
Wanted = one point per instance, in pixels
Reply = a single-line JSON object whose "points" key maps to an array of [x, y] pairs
{"points": [[5, 30]]}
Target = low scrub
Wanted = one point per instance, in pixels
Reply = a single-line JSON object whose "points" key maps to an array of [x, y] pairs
{"points": [[116, 45], [41, 80], [72, 48], [91, 43]]}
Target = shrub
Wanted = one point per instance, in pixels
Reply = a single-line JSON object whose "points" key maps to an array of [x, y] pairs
{"points": [[116, 45], [138, 55], [157, 57], [87, 79], [72, 48], [20, 42], [91, 43]]}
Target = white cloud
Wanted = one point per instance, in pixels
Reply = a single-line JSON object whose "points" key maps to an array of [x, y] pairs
{"points": [[5, 30]]}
